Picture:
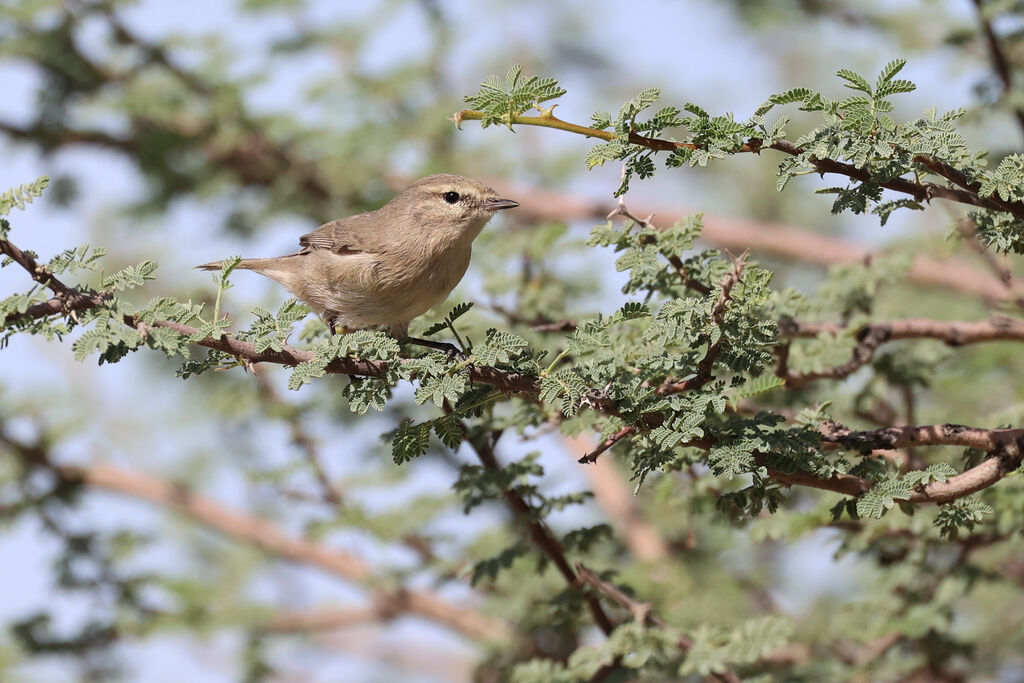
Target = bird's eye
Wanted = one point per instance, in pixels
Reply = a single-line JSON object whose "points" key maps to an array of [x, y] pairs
{"points": [[451, 197]]}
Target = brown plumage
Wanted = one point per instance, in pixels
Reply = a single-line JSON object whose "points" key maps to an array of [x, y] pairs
{"points": [[383, 268]]}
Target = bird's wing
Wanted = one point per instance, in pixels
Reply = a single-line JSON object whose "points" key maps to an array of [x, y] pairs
{"points": [[352, 235]]}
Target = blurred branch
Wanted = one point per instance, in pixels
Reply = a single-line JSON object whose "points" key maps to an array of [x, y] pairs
{"points": [[998, 267], [1000, 64], [776, 239], [869, 337], [330, 492], [253, 157], [268, 394], [263, 534], [63, 136], [325, 619], [154, 53], [273, 540]]}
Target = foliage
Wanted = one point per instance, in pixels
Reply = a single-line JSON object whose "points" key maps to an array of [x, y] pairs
{"points": [[737, 436]]}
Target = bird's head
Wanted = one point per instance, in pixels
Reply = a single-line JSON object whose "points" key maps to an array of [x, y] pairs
{"points": [[451, 205]]}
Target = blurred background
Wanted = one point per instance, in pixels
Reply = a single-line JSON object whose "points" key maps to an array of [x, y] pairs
{"points": [[191, 131]]}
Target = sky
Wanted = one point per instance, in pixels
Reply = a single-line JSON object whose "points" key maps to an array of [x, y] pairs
{"points": [[691, 48]]}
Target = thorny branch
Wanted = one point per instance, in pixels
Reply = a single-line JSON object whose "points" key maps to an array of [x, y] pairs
{"points": [[706, 365], [965, 192], [1003, 445], [614, 495], [677, 263], [540, 534]]}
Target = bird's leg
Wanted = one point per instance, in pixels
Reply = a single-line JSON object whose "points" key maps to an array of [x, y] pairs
{"points": [[400, 331], [450, 349], [332, 324]]}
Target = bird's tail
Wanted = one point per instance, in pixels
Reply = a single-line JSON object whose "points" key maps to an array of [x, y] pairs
{"points": [[260, 265]]}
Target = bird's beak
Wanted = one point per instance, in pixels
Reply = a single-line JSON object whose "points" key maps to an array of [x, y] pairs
{"points": [[495, 204]]}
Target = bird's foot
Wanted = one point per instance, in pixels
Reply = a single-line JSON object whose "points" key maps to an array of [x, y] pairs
{"points": [[453, 352]]}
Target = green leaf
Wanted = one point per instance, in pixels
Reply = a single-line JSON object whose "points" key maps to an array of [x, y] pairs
{"points": [[441, 387], [410, 441], [499, 347], [491, 567], [502, 99], [565, 386], [18, 197], [363, 393], [890, 70], [940, 471], [449, 430], [130, 277], [304, 373], [854, 80], [963, 513]]}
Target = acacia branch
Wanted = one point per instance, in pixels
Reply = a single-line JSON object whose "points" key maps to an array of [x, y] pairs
{"points": [[1005, 443], [920, 191], [1000, 63], [66, 300], [540, 534], [592, 455], [1005, 446], [706, 365], [684, 275]]}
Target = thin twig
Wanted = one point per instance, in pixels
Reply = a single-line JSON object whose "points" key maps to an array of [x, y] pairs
{"points": [[684, 275], [614, 495], [618, 436], [707, 364], [541, 535]]}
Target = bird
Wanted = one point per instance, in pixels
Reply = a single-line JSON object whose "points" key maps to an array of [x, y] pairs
{"points": [[381, 269]]}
